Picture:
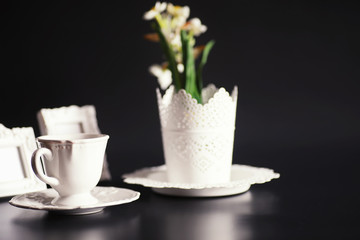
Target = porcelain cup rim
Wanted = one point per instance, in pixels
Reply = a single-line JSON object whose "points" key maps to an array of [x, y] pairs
{"points": [[73, 138]]}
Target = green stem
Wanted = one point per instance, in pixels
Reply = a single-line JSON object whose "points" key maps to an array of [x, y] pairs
{"points": [[202, 63], [189, 66], [170, 56]]}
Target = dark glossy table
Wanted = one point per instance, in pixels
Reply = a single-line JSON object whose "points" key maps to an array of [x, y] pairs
{"points": [[309, 201]]}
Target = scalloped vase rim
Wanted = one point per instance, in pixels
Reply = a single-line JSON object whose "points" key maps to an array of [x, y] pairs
{"points": [[171, 90]]}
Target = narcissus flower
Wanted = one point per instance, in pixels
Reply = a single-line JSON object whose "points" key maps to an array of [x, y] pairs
{"points": [[176, 35], [195, 26], [163, 75], [156, 10], [180, 14]]}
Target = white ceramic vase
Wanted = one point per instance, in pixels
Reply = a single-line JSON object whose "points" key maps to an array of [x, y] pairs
{"points": [[197, 138]]}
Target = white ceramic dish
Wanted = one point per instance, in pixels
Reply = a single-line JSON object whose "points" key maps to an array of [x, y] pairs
{"points": [[107, 196], [242, 177]]}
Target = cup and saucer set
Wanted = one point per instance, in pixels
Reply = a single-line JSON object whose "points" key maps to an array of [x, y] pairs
{"points": [[74, 163]]}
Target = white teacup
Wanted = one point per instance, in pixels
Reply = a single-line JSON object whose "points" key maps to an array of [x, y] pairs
{"points": [[72, 164]]}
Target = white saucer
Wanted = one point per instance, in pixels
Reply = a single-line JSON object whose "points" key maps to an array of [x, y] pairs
{"points": [[242, 177], [107, 196]]}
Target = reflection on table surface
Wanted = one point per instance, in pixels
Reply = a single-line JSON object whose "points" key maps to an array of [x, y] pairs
{"points": [[205, 218], [112, 223], [152, 217]]}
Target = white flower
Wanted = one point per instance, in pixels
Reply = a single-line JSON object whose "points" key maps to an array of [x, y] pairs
{"points": [[180, 67], [175, 40], [195, 26], [179, 15], [178, 11], [157, 9], [163, 75]]}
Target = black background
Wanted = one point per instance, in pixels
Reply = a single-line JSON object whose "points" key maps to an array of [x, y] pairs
{"points": [[296, 64]]}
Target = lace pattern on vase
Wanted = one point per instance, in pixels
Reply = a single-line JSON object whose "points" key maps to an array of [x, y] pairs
{"points": [[180, 111], [198, 139]]}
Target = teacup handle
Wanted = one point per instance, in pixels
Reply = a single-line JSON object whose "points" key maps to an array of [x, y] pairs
{"points": [[37, 167]]}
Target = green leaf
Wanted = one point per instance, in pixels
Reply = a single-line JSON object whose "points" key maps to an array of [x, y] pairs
{"points": [[170, 56], [202, 63], [189, 66]]}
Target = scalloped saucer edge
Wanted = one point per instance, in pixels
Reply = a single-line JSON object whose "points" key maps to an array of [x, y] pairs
{"points": [[242, 177], [107, 196]]}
